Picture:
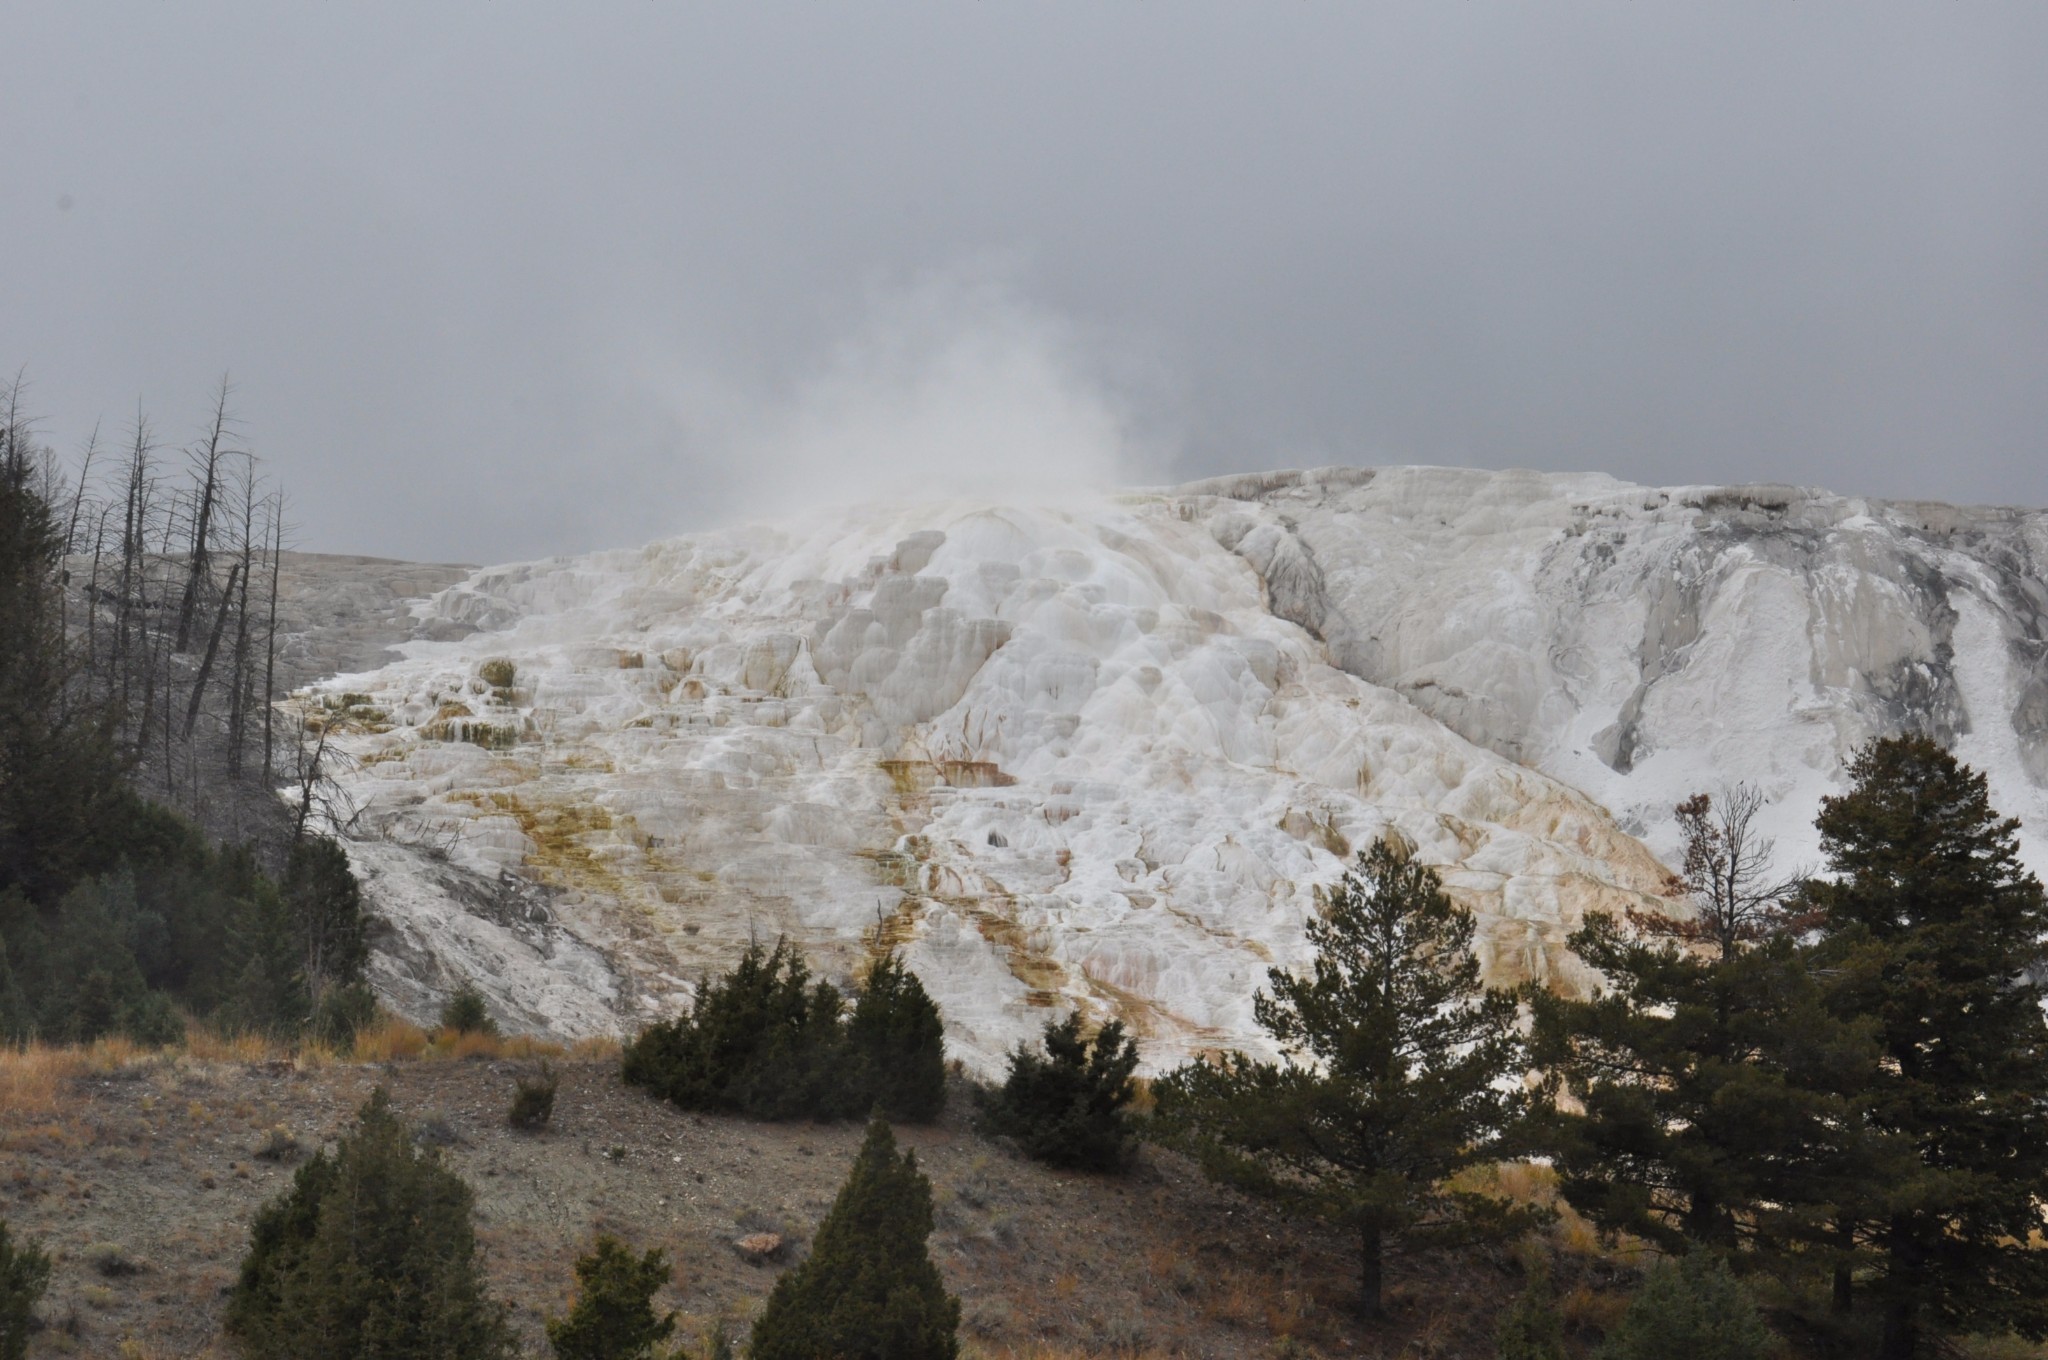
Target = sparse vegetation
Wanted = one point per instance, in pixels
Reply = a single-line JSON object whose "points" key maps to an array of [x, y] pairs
{"points": [[1070, 1106], [533, 1099]]}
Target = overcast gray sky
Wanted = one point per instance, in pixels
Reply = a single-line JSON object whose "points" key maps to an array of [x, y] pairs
{"points": [[496, 280]]}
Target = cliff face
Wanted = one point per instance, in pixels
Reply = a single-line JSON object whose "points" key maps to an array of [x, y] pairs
{"points": [[1640, 643], [1101, 754]]}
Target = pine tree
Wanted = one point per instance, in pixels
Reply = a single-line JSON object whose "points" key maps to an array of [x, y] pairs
{"points": [[327, 905], [1397, 1054], [1933, 933], [1069, 1107], [613, 1316], [1711, 1080], [370, 1255], [60, 772], [466, 1012], [898, 1045], [868, 1290]]}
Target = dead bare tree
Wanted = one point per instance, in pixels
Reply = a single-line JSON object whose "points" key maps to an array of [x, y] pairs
{"points": [[270, 637], [1729, 870], [207, 467]]}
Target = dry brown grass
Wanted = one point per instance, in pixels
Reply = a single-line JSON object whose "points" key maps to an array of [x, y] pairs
{"points": [[388, 1039], [33, 1076], [208, 1045]]}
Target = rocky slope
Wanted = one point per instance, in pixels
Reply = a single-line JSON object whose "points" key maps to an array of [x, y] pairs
{"points": [[1100, 754]]}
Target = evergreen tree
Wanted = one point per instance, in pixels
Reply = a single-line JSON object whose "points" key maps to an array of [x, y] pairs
{"points": [[465, 1012], [1694, 1308], [898, 1044], [613, 1316], [1712, 1082], [1397, 1054], [24, 1274], [1070, 1106], [327, 906], [1933, 932], [765, 1041], [60, 771], [370, 1255], [868, 1290]]}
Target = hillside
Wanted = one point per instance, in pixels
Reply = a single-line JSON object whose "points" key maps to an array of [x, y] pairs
{"points": [[1100, 754], [141, 1174]]}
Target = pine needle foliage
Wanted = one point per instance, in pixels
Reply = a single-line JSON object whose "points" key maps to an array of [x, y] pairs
{"points": [[371, 1255], [898, 1044], [1069, 1105], [613, 1317], [465, 1012], [765, 1041], [868, 1290], [1693, 1308], [24, 1274], [1933, 932], [1396, 1059]]}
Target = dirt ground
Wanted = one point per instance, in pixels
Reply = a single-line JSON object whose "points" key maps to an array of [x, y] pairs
{"points": [[141, 1181]]}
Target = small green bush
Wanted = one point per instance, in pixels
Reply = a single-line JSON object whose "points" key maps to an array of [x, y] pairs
{"points": [[868, 1288], [498, 672], [1069, 1107], [764, 1041], [1695, 1308], [24, 1274], [613, 1317], [1532, 1329], [465, 1012], [370, 1253], [533, 1100]]}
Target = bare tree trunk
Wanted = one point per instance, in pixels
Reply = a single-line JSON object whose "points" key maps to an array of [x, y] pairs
{"points": [[220, 620], [238, 686], [1371, 1272], [202, 524], [270, 639]]}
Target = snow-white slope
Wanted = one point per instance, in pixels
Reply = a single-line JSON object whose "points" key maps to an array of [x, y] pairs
{"points": [[1100, 755]]}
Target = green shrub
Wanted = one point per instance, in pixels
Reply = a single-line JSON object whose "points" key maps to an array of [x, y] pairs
{"points": [[613, 1317], [899, 1044], [868, 1290], [1531, 1328], [370, 1255], [1695, 1308], [24, 1274], [1069, 1107], [533, 1101], [465, 1013], [764, 1041], [498, 672]]}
